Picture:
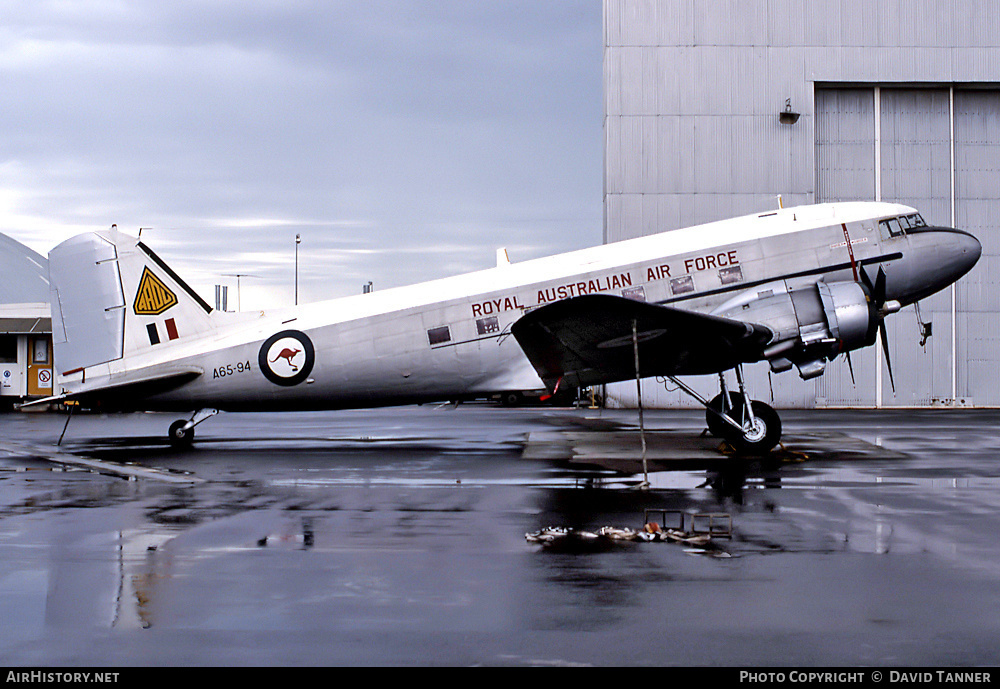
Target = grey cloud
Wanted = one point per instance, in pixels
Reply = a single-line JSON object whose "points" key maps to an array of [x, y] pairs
{"points": [[374, 129]]}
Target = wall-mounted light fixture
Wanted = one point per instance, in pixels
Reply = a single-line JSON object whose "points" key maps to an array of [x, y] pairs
{"points": [[787, 116]]}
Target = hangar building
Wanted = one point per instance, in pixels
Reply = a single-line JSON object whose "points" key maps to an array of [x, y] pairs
{"points": [[25, 324], [715, 108]]}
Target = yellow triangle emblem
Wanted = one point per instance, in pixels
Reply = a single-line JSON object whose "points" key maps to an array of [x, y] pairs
{"points": [[153, 297]]}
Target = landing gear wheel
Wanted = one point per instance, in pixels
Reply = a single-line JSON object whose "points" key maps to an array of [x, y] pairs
{"points": [[179, 436], [511, 399], [716, 426], [759, 437]]}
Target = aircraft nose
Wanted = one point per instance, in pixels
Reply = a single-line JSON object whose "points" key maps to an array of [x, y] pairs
{"points": [[942, 255], [960, 251], [968, 251]]}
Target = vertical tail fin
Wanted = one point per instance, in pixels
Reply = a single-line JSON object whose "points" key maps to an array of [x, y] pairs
{"points": [[112, 297]]}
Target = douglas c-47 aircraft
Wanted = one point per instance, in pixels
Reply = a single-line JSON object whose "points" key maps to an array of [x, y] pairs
{"points": [[795, 287]]}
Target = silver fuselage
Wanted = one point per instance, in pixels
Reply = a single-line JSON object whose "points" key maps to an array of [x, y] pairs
{"points": [[449, 338]]}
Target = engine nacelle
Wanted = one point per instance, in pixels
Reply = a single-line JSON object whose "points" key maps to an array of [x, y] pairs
{"points": [[848, 314], [811, 323]]}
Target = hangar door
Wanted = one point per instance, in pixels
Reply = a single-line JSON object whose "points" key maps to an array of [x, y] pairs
{"points": [[938, 150]]}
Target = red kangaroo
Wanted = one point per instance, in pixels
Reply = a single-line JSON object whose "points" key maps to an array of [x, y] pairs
{"points": [[287, 355]]}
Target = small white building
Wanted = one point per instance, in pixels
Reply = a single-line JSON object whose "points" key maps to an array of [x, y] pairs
{"points": [[25, 325]]}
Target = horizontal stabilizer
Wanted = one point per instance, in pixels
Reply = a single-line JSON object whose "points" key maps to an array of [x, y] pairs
{"points": [[588, 340], [125, 388]]}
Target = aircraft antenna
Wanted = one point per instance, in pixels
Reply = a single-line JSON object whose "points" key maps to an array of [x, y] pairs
{"points": [[238, 276]]}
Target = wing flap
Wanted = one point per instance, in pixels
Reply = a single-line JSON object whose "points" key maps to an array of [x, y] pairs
{"points": [[588, 340]]}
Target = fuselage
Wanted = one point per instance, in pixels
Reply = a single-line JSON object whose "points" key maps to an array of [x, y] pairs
{"points": [[449, 338]]}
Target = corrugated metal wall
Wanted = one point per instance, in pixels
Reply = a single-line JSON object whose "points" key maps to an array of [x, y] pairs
{"points": [[911, 145], [916, 162], [977, 209], [845, 171], [692, 94], [939, 151]]}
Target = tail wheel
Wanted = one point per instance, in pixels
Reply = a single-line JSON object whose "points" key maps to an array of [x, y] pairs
{"points": [[511, 398], [179, 436], [758, 437]]}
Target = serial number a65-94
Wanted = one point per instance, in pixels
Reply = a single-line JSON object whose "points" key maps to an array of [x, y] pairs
{"points": [[232, 369]]}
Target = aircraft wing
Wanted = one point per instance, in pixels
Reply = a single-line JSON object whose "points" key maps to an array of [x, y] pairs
{"points": [[587, 340]]}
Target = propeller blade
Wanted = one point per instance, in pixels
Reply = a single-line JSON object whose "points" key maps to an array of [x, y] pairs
{"points": [[879, 291], [867, 280], [876, 293], [850, 367], [885, 348]]}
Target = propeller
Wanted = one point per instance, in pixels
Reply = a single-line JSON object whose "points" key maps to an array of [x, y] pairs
{"points": [[876, 293]]}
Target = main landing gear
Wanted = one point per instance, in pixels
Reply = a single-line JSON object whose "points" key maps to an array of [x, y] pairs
{"points": [[750, 426], [181, 433]]}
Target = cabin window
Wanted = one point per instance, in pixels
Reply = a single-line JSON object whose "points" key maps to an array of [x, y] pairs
{"points": [[439, 335], [487, 326], [635, 293], [912, 221], [682, 285], [731, 274]]}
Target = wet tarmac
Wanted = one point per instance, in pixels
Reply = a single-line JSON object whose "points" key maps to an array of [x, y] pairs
{"points": [[398, 537]]}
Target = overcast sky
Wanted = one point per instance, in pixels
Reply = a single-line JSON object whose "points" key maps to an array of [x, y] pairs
{"points": [[404, 140]]}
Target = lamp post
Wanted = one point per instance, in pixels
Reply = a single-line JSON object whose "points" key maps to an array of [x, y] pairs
{"points": [[298, 240]]}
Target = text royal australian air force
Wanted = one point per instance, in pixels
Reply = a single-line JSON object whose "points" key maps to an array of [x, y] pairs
{"points": [[693, 259], [628, 282]]}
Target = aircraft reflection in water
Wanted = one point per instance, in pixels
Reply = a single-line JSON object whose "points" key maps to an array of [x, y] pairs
{"points": [[795, 287]]}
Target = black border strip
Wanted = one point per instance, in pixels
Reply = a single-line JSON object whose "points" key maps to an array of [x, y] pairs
{"points": [[175, 277], [461, 342]]}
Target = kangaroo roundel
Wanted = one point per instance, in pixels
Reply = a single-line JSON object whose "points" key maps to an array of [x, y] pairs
{"points": [[286, 358]]}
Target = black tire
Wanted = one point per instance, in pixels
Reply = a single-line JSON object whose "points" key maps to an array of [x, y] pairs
{"points": [[178, 436], [718, 427], [511, 398], [760, 439]]}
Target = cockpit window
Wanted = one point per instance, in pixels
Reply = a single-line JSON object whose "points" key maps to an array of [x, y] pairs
{"points": [[895, 227], [890, 227]]}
